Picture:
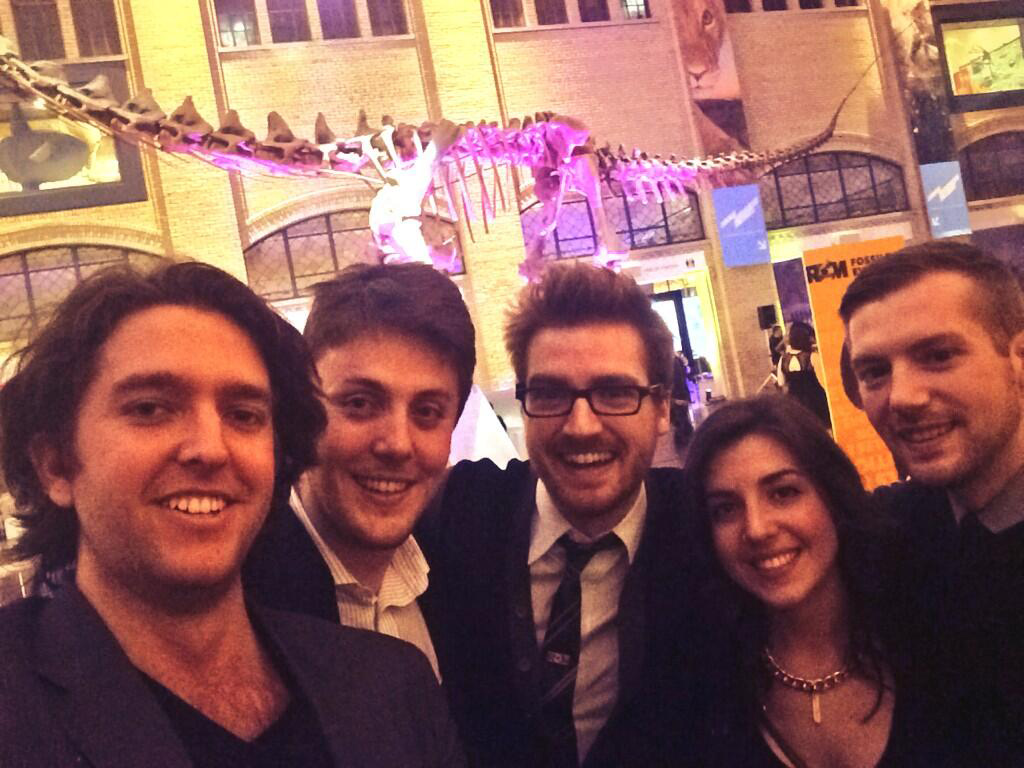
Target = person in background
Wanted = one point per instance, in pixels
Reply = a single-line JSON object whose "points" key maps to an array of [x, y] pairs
{"points": [[801, 564], [394, 348], [145, 432], [797, 372], [936, 349], [679, 411], [776, 344]]}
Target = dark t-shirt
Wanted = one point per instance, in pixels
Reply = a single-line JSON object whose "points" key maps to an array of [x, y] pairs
{"points": [[294, 739]]}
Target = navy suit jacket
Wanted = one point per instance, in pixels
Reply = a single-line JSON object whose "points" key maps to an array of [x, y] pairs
{"points": [[70, 696], [479, 611]]}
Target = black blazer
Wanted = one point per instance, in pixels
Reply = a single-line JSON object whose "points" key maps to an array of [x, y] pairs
{"points": [[285, 571], [70, 696], [478, 608]]}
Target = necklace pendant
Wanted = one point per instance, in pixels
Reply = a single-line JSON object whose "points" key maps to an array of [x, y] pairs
{"points": [[816, 707]]}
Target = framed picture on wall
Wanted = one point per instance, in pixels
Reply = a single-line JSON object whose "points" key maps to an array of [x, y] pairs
{"points": [[51, 164]]}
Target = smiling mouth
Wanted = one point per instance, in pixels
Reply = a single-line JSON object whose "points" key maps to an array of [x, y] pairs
{"points": [[382, 485], [197, 504], [924, 434], [773, 563], [588, 459]]}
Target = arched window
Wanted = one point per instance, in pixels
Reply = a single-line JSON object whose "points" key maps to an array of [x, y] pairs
{"points": [[37, 25], [640, 225], [827, 186], [289, 262], [33, 282], [994, 166]]}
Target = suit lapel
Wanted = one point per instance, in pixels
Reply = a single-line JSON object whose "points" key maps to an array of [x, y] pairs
{"points": [[525, 656], [99, 698]]}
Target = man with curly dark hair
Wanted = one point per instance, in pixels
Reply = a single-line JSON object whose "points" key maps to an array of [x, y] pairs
{"points": [[146, 430]]}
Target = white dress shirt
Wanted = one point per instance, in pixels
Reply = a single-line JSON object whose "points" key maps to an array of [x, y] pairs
{"points": [[597, 678], [391, 611]]}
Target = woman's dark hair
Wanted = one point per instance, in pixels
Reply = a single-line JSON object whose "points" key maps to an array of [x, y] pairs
{"points": [[801, 336], [41, 400], [859, 531]]}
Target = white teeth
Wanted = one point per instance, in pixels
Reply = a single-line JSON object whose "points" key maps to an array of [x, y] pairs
{"points": [[776, 561], [380, 485], [583, 459], [923, 434], [196, 505]]}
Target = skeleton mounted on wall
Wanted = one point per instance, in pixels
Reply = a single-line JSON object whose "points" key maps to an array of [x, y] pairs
{"points": [[410, 166]]}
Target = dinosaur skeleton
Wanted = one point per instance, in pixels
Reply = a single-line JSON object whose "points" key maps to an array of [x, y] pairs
{"points": [[410, 166]]}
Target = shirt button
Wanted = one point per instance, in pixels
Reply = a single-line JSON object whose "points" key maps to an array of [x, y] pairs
{"points": [[524, 664]]}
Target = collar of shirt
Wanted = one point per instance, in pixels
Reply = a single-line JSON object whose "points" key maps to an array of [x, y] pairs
{"points": [[1004, 511], [549, 524], [404, 581]]}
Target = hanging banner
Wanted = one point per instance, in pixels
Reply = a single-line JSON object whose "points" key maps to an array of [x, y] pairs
{"points": [[945, 198], [741, 229], [920, 69], [829, 272], [711, 74]]}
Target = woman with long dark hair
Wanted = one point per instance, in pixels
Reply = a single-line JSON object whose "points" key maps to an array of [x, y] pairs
{"points": [[800, 574]]}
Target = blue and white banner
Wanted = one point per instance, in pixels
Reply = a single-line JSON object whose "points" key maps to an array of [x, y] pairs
{"points": [[741, 230], [945, 198]]}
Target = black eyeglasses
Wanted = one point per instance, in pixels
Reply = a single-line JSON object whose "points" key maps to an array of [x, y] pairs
{"points": [[606, 399]]}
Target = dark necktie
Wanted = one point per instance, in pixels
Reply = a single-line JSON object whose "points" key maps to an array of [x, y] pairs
{"points": [[561, 651]]}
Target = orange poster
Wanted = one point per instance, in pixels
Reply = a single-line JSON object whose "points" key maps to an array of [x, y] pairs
{"points": [[829, 271]]}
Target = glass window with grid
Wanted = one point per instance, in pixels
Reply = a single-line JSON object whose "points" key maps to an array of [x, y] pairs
{"points": [[994, 166], [288, 20], [338, 19], [507, 13], [593, 10], [636, 9], [551, 12], [827, 186], [96, 27], [34, 282], [639, 225], [236, 23], [289, 262], [37, 25], [387, 17]]}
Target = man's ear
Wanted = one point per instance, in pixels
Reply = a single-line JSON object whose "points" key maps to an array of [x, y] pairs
{"points": [[52, 470], [664, 422]]}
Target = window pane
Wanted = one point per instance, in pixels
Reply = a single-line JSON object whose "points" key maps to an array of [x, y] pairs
{"points": [[267, 268], [684, 222], [994, 166], [96, 27], [738, 6], [770, 203], [846, 3], [507, 13], [338, 19], [387, 17], [288, 20], [38, 28], [551, 12], [810, 3], [774, 5], [636, 9], [594, 10], [236, 23]]}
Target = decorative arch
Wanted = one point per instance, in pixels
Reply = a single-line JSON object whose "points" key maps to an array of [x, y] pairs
{"points": [[829, 186], [35, 280], [993, 166], [288, 262]]}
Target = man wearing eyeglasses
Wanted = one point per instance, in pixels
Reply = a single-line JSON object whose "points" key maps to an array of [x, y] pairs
{"points": [[551, 581]]}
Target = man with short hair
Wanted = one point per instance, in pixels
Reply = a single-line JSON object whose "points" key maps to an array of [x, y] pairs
{"points": [[394, 348], [145, 432], [554, 582], [936, 348]]}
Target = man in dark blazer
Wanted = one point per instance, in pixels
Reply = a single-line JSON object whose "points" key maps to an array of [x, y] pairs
{"points": [[557, 586], [394, 348], [936, 350], [146, 430]]}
